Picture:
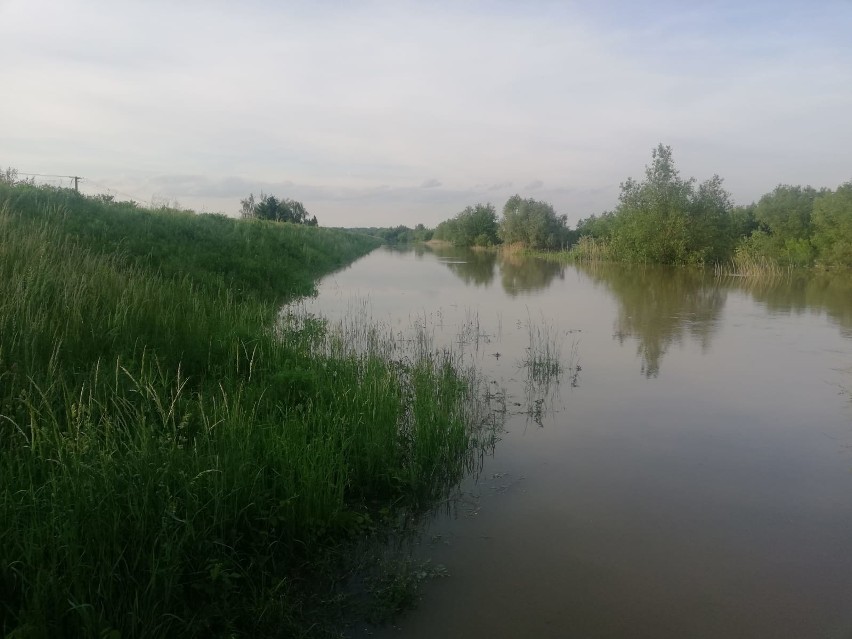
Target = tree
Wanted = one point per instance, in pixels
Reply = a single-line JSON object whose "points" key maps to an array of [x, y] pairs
{"points": [[651, 222], [784, 224], [832, 226], [9, 176], [532, 223], [475, 226], [270, 207], [665, 219]]}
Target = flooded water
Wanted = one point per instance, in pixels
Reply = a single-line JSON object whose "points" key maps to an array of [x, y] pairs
{"points": [[690, 474]]}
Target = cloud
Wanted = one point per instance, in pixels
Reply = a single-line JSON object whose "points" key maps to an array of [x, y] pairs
{"points": [[328, 101]]}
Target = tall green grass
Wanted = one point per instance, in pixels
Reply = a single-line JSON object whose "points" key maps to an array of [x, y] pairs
{"points": [[752, 265], [265, 260], [173, 462]]}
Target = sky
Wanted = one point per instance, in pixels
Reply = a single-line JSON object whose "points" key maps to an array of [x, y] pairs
{"points": [[392, 112]]}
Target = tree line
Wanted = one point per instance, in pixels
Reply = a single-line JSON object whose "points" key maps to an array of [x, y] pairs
{"points": [[667, 219], [529, 222], [670, 220]]}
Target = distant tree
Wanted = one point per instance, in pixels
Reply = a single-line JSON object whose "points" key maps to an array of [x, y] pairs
{"points": [[651, 218], [666, 219], [784, 226], [9, 176], [711, 232], [269, 207], [247, 207], [786, 212], [743, 221], [474, 226], [532, 223], [832, 226]]}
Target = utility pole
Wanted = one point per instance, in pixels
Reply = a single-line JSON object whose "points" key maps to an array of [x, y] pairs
{"points": [[76, 178]]}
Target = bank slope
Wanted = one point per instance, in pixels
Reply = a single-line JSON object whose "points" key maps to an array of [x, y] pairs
{"points": [[173, 462]]}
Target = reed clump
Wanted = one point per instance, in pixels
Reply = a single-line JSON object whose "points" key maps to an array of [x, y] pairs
{"points": [[747, 264], [173, 462]]}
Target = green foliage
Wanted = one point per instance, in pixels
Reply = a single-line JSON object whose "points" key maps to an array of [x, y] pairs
{"points": [[171, 463], [832, 226], [796, 226], [253, 258], [785, 214], [533, 224], [271, 208], [665, 219], [398, 234], [475, 226]]}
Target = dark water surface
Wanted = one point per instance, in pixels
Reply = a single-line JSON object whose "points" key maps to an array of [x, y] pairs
{"points": [[692, 479]]}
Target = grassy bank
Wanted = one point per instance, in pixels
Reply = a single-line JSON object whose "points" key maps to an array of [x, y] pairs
{"points": [[173, 462]]}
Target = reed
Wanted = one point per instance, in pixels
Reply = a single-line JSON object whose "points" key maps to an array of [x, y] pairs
{"points": [[745, 264]]}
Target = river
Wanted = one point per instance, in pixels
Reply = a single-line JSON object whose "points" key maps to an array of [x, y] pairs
{"points": [[686, 473]]}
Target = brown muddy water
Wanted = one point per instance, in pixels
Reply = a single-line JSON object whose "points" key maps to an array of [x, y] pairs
{"points": [[688, 475]]}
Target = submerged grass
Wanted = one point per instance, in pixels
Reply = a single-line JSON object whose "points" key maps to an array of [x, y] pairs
{"points": [[175, 463], [546, 364]]}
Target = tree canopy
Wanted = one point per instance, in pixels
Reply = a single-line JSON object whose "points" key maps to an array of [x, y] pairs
{"points": [[532, 223], [475, 226], [269, 207]]}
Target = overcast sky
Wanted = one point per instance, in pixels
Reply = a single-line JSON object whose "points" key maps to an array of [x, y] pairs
{"points": [[386, 113]]}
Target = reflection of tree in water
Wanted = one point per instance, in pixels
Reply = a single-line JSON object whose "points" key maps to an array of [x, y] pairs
{"points": [[419, 250], [660, 306], [519, 273], [471, 266], [829, 293]]}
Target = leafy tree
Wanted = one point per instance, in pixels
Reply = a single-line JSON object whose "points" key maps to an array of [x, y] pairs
{"points": [[832, 226], [711, 230], [269, 207], [475, 226], [667, 219], [532, 223], [786, 212], [651, 218], [784, 228]]}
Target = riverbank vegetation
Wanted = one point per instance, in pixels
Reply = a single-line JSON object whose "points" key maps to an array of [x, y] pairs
{"points": [[177, 459], [667, 219], [397, 234], [525, 222]]}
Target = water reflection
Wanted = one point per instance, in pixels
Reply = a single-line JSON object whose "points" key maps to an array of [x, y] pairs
{"points": [[472, 267], [661, 306], [829, 293], [518, 274], [657, 306]]}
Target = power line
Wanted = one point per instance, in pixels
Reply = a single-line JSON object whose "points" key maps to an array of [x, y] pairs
{"points": [[117, 192], [76, 178], [49, 175]]}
